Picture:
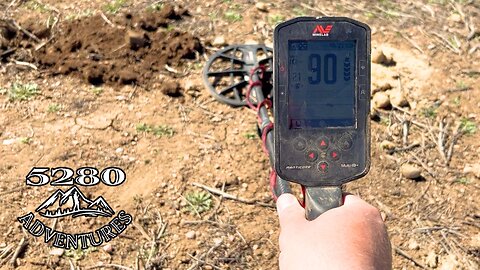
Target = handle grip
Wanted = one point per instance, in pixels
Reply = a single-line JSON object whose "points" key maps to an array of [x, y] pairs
{"points": [[318, 200]]}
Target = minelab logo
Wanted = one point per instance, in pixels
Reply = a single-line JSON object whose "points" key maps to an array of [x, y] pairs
{"points": [[75, 204], [322, 32]]}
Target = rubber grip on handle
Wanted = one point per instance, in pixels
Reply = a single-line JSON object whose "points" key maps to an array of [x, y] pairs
{"points": [[318, 200]]}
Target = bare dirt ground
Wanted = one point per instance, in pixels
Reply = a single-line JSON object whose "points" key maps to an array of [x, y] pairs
{"points": [[98, 83]]}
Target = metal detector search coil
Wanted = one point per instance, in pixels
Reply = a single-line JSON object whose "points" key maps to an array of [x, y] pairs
{"points": [[321, 100]]}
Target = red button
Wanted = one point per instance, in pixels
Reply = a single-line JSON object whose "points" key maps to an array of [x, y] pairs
{"points": [[323, 167], [323, 143], [311, 156], [334, 155]]}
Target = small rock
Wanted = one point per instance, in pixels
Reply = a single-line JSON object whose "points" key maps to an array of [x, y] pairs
{"points": [[384, 87], [119, 150], [378, 56], [136, 40], [410, 171], [217, 241], [398, 99], [57, 252], [219, 41], [473, 169], [455, 17], [9, 141], [413, 245], [171, 88], [190, 235], [262, 6], [432, 259], [381, 100], [387, 145], [108, 248], [449, 262]]}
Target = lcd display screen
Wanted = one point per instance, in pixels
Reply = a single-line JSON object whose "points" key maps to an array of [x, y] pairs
{"points": [[321, 84]]}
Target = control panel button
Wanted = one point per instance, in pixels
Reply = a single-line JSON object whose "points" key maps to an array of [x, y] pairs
{"points": [[311, 156], [363, 68], [323, 143], [334, 155], [300, 144], [345, 143], [323, 167]]}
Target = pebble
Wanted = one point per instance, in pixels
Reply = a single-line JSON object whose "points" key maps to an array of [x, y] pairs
{"points": [[473, 169], [262, 6], [381, 100], [432, 259], [217, 241], [190, 235], [9, 141], [387, 145], [119, 150], [219, 41], [378, 56], [398, 99], [108, 248], [57, 252], [410, 171], [449, 262], [413, 245]]}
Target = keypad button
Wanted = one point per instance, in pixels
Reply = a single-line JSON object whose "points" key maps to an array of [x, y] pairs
{"points": [[300, 144], [311, 156], [323, 143], [323, 167], [334, 155]]}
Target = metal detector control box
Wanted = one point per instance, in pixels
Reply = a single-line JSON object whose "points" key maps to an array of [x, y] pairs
{"points": [[321, 100]]}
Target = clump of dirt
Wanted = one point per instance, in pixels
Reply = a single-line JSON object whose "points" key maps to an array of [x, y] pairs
{"points": [[130, 49]]}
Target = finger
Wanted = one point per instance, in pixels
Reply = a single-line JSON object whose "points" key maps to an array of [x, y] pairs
{"points": [[350, 200], [289, 211]]}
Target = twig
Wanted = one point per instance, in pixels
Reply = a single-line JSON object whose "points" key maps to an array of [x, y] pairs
{"points": [[7, 52], [404, 254], [21, 246], [458, 133], [314, 9], [11, 191], [30, 65], [230, 196], [406, 148], [112, 265], [142, 231], [441, 139], [106, 19], [26, 32], [460, 89], [204, 262]]}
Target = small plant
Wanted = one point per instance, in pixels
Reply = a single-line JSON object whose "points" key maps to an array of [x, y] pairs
{"points": [[276, 18], [456, 101], [468, 126], [26, 140], [198, 202], [114, 6], [385, 121], [54, 107], [20, 91], [36, 6], [430, 112], [163, 130], [233, 16], [160, 130], [155, 7], [463, 180], [97, 90], [79, 253], [250, 135], [299, 11]]}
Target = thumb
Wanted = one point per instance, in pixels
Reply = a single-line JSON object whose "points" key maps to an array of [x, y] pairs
{"points": [[289, 211]]}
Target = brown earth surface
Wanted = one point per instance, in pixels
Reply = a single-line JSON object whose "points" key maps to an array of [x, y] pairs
{"points": [[119, 84]]}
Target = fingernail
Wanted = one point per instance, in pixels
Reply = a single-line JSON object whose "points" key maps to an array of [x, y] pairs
{"points": [[284, 201]]}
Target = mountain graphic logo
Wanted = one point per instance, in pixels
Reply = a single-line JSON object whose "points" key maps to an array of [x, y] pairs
{"points": [[73, 203]]}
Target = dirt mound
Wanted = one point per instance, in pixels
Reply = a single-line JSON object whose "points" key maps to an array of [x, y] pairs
{"points": [[126, 49]]}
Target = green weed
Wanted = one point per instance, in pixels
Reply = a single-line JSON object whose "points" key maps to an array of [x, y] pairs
{"points": [[160, 130], [468, 126], [250, 135], [54, 107], [430, 112], [97, 90], [79, 253], [276, 19], [233, 16], [19, 91], [114, 6], [463, 180], [36, 6], [26, 140], [456, 101], [198, 202]]}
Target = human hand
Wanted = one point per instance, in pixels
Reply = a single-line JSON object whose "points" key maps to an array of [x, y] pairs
{"points": [[352, 236]]}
